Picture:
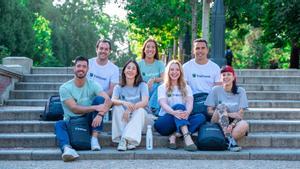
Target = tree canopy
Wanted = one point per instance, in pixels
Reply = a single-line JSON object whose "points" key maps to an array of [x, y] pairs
{"points": [[259, 32]]}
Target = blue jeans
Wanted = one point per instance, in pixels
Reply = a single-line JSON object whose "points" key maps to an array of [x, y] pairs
{"points": [[61, 130], [153, 103], [168, 124]]}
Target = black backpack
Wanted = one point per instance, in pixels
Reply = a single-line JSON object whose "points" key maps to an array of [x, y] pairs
{"points": [[53, 109], [211, 137]]}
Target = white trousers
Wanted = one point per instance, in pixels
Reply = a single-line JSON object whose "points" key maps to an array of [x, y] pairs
{"points": [[131, 130]]}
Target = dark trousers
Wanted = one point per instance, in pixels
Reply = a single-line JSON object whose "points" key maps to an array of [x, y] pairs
{"points": [[168, 124], [61, 130]]}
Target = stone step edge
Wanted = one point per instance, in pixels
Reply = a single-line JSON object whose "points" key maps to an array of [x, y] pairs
{"points": [[248, 92], [156, 153], [31, 122], [155, 134], [5, 109]]}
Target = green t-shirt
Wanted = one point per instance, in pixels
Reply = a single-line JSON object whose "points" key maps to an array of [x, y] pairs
{"points": [[83, 96], [149, 71]]}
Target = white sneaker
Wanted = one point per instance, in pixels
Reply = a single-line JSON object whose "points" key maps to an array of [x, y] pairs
{"points": [[95, 144], [122, 145], [130, 146], [69, 154]]}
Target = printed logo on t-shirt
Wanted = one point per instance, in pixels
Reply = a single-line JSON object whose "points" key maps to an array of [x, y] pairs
{"points": [[98, 77], [170, 94], [151, 74], [130, 98], [194, 75]]}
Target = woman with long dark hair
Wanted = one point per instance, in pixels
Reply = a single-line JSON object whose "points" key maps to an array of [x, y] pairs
{"points": [[129, 101]]}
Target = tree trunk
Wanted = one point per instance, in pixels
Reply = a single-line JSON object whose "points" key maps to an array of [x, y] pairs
{"points": [[187, 45], [194, 19], [294, 59], [181, 50], [175, 49], [205, 20]]}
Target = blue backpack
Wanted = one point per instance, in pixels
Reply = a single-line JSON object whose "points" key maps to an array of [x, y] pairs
{"points": [[53, 109], [211, 137]]}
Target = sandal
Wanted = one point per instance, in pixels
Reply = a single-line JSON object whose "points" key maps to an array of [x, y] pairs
{"points": [[172, 146], [191, 147]]}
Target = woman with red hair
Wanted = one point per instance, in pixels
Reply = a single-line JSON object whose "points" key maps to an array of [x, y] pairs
{"points": [[226, 105]]}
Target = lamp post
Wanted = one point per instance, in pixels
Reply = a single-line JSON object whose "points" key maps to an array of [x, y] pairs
{"points": [[218, 33]]}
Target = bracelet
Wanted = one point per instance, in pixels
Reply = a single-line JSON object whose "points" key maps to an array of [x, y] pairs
{"points": [[99, 115]]}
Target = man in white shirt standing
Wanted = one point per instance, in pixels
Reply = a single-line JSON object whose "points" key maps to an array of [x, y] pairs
{"points": [[103, 70], [201, 75]]}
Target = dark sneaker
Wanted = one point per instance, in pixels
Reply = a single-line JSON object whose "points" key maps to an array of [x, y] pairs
{"points": [[232, 145]]}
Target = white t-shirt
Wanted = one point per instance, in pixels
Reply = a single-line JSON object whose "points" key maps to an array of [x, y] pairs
{"points": [[201, 78], [172, 98], [103, 74]]}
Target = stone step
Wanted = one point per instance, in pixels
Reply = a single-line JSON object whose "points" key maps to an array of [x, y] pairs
{"points": [[155, 154], [274, 126], [272, 114], [274, 95], [20, 113], [241, 80], [46, 140], [270, 87], [26, 102], [52, 70], [239, 72], [37, 86], [268, 80], [35, 126], [48, 126], [251, 95], [32, 94], [267, 72], [33, 113], [274, 103], [47, 78], [252, 103], [248, 87]]}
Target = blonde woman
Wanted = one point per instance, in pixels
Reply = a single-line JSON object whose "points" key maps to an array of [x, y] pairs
{"points": [[176, 100], [129, 101]]}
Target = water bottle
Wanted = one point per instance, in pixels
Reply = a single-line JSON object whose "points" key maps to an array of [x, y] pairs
{"points": [[106, 117], [149, 138]]}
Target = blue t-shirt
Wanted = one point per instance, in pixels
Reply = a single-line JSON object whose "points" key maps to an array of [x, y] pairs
{"points": [[131, 94], [153, 70]]}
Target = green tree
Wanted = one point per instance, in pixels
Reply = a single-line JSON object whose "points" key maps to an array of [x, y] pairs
{"points": [[43, 54], [282, 26], [16, 34], [169, 22]]}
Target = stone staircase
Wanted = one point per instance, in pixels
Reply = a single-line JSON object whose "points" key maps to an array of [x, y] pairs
{"points": [[274, 117]]}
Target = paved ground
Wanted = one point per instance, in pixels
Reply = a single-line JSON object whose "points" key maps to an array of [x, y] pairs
{"points": [[162, 164]]}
